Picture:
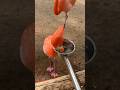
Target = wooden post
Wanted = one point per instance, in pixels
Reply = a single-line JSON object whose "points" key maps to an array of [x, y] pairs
{"points": [[60, 83]]}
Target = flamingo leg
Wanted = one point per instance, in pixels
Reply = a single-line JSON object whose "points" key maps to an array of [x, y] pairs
{"points": [[54, 72], [51, 67], [66, 17]]}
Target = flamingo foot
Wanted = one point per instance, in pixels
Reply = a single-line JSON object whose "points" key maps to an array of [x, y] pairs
{"points": [[54, 74], [50, 69]]}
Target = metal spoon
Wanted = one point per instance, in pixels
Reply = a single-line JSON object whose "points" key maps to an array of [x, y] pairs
{"points": [[70, 48]]}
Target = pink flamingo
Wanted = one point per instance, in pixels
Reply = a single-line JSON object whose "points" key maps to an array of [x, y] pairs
{"points": [[50, 43]]}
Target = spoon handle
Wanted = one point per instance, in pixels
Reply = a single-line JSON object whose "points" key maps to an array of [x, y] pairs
{"points": [[72, 74]]}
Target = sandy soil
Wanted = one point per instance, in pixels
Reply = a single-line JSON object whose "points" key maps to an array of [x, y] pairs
{"points": [[47, 23]]}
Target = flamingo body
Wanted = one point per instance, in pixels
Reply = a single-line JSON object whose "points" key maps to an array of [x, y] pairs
{"points": [[63, 5], [48, 47]]}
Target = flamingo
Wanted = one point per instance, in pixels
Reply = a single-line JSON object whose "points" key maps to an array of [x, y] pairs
{"points": [[63, 6], [50, 43], [56, 39]]}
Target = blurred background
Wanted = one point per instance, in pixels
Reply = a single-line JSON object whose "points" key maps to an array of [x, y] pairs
{"points": [[15, 16]]}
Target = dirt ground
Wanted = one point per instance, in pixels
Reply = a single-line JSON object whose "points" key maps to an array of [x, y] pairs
{"points": [[46, 23]]}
